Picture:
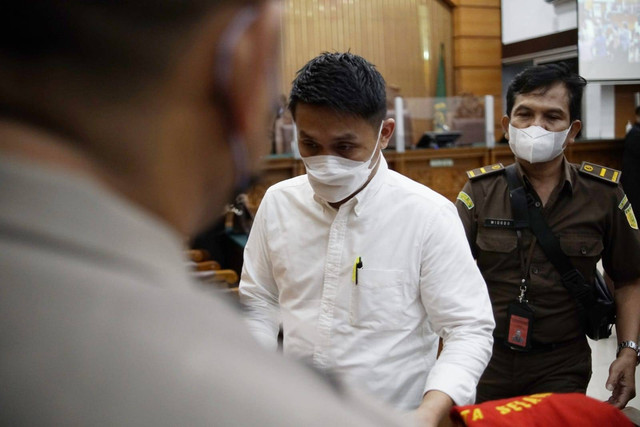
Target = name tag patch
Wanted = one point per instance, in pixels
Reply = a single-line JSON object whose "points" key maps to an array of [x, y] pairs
{"points": [[499, 223]]}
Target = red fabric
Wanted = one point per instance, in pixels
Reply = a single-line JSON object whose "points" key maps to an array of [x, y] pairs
{"points": [[543, 409]]}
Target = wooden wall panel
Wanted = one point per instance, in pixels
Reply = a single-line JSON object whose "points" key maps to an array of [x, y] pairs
{"points": [[497, 114], [479, 81], [403, 39], [391, 35], [440, 25], [477, 21], [477, 52], [487, 3]]}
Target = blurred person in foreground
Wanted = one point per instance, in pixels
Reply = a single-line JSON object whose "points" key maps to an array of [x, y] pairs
{"points": [[124, 128], [631, 162], [540, 344], [364, 267]]}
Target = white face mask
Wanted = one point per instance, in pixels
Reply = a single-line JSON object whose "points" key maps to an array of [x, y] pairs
{"points": [[335, 178], [536, 144]]}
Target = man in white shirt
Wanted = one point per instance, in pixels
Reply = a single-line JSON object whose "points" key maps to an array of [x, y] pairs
{"points": [[364, 267], [124, 127]]}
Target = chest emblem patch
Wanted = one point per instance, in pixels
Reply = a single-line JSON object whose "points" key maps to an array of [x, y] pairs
{"points": [[623, 202], [631, 218], [464, 198]]}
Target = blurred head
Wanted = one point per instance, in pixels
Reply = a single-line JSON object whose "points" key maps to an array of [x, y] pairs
{"points": [[168, 101], [343, 82]]}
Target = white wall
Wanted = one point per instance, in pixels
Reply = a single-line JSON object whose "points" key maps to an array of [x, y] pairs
{"points": [[598, 111], [528, 19]]}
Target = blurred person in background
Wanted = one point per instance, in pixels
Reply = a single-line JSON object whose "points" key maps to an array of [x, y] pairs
{"points": [[631, 162]]}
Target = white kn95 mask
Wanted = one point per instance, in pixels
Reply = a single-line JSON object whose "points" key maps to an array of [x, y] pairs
{"points": [[536, 144], [334, 178]]}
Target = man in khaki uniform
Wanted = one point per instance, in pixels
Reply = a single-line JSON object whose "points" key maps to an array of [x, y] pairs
{"points": [[587, 211]]}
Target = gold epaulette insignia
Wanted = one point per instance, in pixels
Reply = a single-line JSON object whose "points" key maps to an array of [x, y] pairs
{"points": [[485, 171], [609, 175]]}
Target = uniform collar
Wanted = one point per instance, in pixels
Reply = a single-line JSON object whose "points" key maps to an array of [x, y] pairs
{"points": [[568, 174]]}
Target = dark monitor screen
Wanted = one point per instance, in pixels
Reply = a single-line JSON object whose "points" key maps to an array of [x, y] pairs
{"points": [[438, 139]]}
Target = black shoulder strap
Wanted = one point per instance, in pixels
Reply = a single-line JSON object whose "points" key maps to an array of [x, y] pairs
{"points": [[518, 198], [572, 279]]}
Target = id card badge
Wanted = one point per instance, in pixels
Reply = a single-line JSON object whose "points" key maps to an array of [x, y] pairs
{"points": [[519, 326]]}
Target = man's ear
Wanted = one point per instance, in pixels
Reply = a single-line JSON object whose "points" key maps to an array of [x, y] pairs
{"points": [[386, 132], [573, 131], [505, 126], [253, 86]]}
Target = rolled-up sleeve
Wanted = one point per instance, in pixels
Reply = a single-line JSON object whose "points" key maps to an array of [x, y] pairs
{"points": [[258, 290], [456, 299]]}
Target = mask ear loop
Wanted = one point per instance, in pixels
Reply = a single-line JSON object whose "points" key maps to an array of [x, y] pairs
{"points": [[376, 147], [222, 75]]}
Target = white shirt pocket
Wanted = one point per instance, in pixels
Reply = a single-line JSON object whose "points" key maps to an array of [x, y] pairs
{"points": [[378, 301]]}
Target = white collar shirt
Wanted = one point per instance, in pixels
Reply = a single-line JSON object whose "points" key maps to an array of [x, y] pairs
{"points": [[417, 281]]}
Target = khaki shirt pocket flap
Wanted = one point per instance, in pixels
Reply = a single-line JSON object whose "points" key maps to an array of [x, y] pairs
{"points": [[581, 246], [497, 242]]}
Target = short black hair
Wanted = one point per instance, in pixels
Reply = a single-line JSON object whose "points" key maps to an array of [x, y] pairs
{"points": [[545, 76], [344, 82]]}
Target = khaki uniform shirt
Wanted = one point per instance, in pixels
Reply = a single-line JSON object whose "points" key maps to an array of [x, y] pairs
{"points": [[592, 219]]}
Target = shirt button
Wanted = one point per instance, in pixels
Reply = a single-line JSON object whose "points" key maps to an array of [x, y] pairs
{"points": [[534, 270], [583, 250], [537, 204]]}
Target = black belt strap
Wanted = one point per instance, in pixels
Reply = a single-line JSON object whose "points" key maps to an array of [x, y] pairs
{"points": [[528, 215]]}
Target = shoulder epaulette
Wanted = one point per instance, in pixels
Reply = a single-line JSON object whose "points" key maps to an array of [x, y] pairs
{"points": [[609, 175], [485, 171]]}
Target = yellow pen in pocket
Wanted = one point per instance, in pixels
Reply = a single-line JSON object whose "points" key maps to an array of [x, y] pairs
{"points": [[356, 265]]}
